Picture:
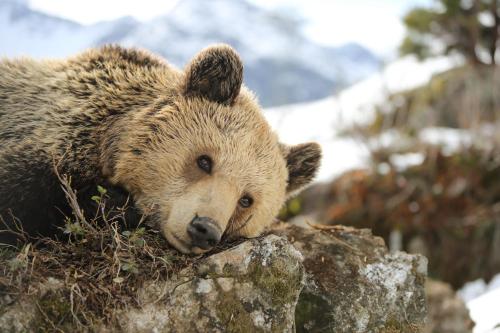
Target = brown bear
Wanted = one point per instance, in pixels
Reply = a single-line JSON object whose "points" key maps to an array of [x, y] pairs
{"points": [[191, 148]]}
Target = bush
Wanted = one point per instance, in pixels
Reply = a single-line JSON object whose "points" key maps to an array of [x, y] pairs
{"points": [[451, 203]]}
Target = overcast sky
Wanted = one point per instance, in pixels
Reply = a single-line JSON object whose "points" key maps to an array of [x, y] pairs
{"points": [[375, 24]]}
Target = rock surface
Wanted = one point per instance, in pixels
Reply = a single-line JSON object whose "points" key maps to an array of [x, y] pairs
{"points": [[253, 287], [331, 280], [355, 285], [447, 312]]}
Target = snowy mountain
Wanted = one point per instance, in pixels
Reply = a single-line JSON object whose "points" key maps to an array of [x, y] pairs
{"points": [[26, 32], [281, 64]]}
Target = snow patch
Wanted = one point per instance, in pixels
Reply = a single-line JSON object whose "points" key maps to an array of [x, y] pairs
{"points": [[483, 302], [404, 161], [472, 290], [323, 121], [450, 139], [485, 311]]}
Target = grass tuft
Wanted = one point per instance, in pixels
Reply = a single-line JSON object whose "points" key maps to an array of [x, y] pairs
{"points": [[100, 265]]}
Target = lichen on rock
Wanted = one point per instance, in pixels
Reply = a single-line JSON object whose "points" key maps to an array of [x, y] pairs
{"points": [[252, 287], [333, 279], [355, 285]]}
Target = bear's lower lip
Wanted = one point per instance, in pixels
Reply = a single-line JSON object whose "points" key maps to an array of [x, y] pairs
{"points": [[191, 249], [181, 241]]}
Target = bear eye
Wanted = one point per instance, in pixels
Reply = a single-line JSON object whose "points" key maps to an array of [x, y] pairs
{"points": [[246, 201], [204, 163]]}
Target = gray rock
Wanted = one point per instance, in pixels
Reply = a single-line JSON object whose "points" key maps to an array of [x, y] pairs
{"points": [[355, 285], [253, 287], [331, 280], [447, 311]]}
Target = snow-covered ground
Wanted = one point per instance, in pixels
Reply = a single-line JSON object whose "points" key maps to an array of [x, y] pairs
{"points": [[483, 301], [322, 121]]}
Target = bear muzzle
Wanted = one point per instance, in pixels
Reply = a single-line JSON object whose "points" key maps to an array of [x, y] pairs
{"points": [[204, 233]]}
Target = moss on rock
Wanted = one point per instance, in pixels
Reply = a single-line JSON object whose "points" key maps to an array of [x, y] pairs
{"points": [[54, 313], [353, 285], [233, 314]]}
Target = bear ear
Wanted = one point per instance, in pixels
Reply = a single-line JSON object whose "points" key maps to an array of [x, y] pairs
{"points": [[216, 73], [302, 162]]}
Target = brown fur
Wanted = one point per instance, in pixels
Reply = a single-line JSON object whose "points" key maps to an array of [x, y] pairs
{"points": [[127, 118]]}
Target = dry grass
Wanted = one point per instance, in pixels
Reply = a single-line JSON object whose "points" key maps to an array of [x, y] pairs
{"points": [[100, 264]]}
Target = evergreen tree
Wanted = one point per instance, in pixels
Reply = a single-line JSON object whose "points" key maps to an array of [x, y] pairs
{"points": [[469, 27]]}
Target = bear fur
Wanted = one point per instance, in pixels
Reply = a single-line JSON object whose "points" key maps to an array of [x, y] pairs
{"points": [[131, 122]]}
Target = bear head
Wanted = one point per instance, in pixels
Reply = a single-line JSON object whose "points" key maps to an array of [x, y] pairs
{"points": [[203, 163]]}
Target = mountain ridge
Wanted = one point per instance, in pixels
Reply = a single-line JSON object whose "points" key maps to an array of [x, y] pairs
{"points": [[281, 65]]}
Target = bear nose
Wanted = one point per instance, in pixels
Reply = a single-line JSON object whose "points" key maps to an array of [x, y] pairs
{"points": [[204, 232]]}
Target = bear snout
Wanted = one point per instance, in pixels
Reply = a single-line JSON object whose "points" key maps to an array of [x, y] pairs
{"points": [[204, 232]]}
